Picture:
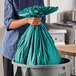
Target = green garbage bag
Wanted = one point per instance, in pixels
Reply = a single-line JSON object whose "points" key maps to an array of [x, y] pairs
{"points": [[36, 46]]}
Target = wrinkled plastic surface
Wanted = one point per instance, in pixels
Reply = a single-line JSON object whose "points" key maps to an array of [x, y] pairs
{"points": [[36, 46]]}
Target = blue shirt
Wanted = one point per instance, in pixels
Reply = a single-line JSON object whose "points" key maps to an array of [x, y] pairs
{"points": [[11, 37]]}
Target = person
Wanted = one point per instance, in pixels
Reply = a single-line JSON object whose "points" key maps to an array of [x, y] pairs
{"points": [[15, 26]]}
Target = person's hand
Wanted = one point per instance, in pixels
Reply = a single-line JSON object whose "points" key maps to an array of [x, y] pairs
{"points": [[34, 20]]}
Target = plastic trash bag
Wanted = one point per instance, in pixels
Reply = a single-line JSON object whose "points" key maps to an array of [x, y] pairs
{"points": [[36, 46]]}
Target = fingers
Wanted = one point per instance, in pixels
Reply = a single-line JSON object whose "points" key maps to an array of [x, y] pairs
{"points": [[36, 23], [34, 20]]}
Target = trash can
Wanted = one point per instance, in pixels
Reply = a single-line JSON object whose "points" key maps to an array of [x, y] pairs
{"points": [[43, 70]]}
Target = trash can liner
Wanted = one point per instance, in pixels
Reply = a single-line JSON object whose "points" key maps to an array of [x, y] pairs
{"points": [[36, 46]]}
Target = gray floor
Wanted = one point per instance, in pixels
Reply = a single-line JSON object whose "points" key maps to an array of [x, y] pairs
{"points": [[1, 38], [1, 66]]}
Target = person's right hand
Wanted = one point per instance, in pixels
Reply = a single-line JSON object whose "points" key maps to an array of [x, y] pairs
{"points": [[34, 20]]}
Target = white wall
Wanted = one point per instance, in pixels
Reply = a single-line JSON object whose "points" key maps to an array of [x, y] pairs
{"points": [[1, 12], [1, 32], [64, 5]]}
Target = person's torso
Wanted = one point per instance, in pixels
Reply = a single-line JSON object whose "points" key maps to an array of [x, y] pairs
{"points": [[11, 37]]}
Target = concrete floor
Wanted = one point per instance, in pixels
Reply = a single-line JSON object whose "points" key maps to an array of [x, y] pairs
{"points": [[1, 38], [1, 66]]}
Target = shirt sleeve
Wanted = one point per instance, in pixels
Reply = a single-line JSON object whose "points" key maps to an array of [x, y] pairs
{"points": [[42, 2], [8, 13]]}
